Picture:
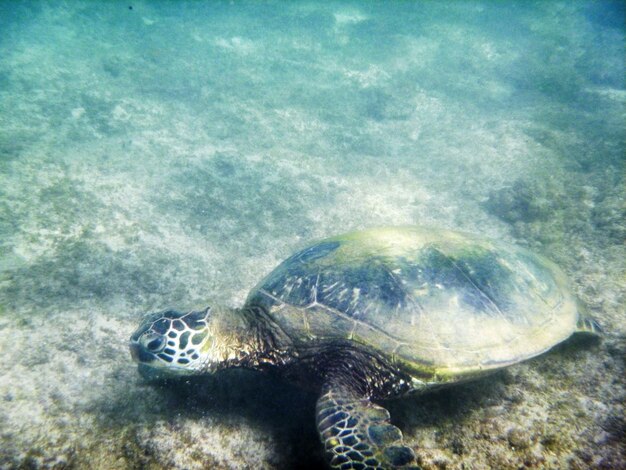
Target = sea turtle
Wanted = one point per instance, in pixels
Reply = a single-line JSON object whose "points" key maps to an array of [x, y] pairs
{"points": [[373, 315]]}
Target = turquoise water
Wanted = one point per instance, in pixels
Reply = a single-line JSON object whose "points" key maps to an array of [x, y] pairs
{"points": [[157, 154]]}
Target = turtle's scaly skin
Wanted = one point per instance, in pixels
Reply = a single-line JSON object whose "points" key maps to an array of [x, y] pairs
{"points": [[372, 315]]}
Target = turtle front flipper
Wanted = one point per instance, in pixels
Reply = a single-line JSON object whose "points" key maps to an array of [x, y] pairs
{"points": [[357, 434]]}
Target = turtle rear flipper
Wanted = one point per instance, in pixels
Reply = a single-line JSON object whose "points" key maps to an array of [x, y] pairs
{"points": [[357, 434], [589, 325]]}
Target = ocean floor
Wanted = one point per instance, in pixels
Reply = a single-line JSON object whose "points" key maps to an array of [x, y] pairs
{"points": [[170, 154]]}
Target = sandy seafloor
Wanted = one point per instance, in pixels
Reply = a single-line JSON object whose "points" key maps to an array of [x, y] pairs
{"points": [[171, 154]]}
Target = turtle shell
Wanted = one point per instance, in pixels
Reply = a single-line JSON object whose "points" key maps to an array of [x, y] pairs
{"points": [[435, 302]]}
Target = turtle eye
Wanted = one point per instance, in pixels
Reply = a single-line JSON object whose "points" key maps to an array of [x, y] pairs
{"points": [[154, 344]]}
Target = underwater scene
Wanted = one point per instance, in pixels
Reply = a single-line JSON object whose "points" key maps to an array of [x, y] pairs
{"points": [[166, 154]]}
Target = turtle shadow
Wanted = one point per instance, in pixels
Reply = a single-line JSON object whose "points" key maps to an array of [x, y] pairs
{"points": [[286, 412], [268, 405], [578, 343], [264, 401], [446, 405], [278, 409]]}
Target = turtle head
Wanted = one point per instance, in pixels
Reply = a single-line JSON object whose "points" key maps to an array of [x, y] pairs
{"points": [[195, 342]]}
